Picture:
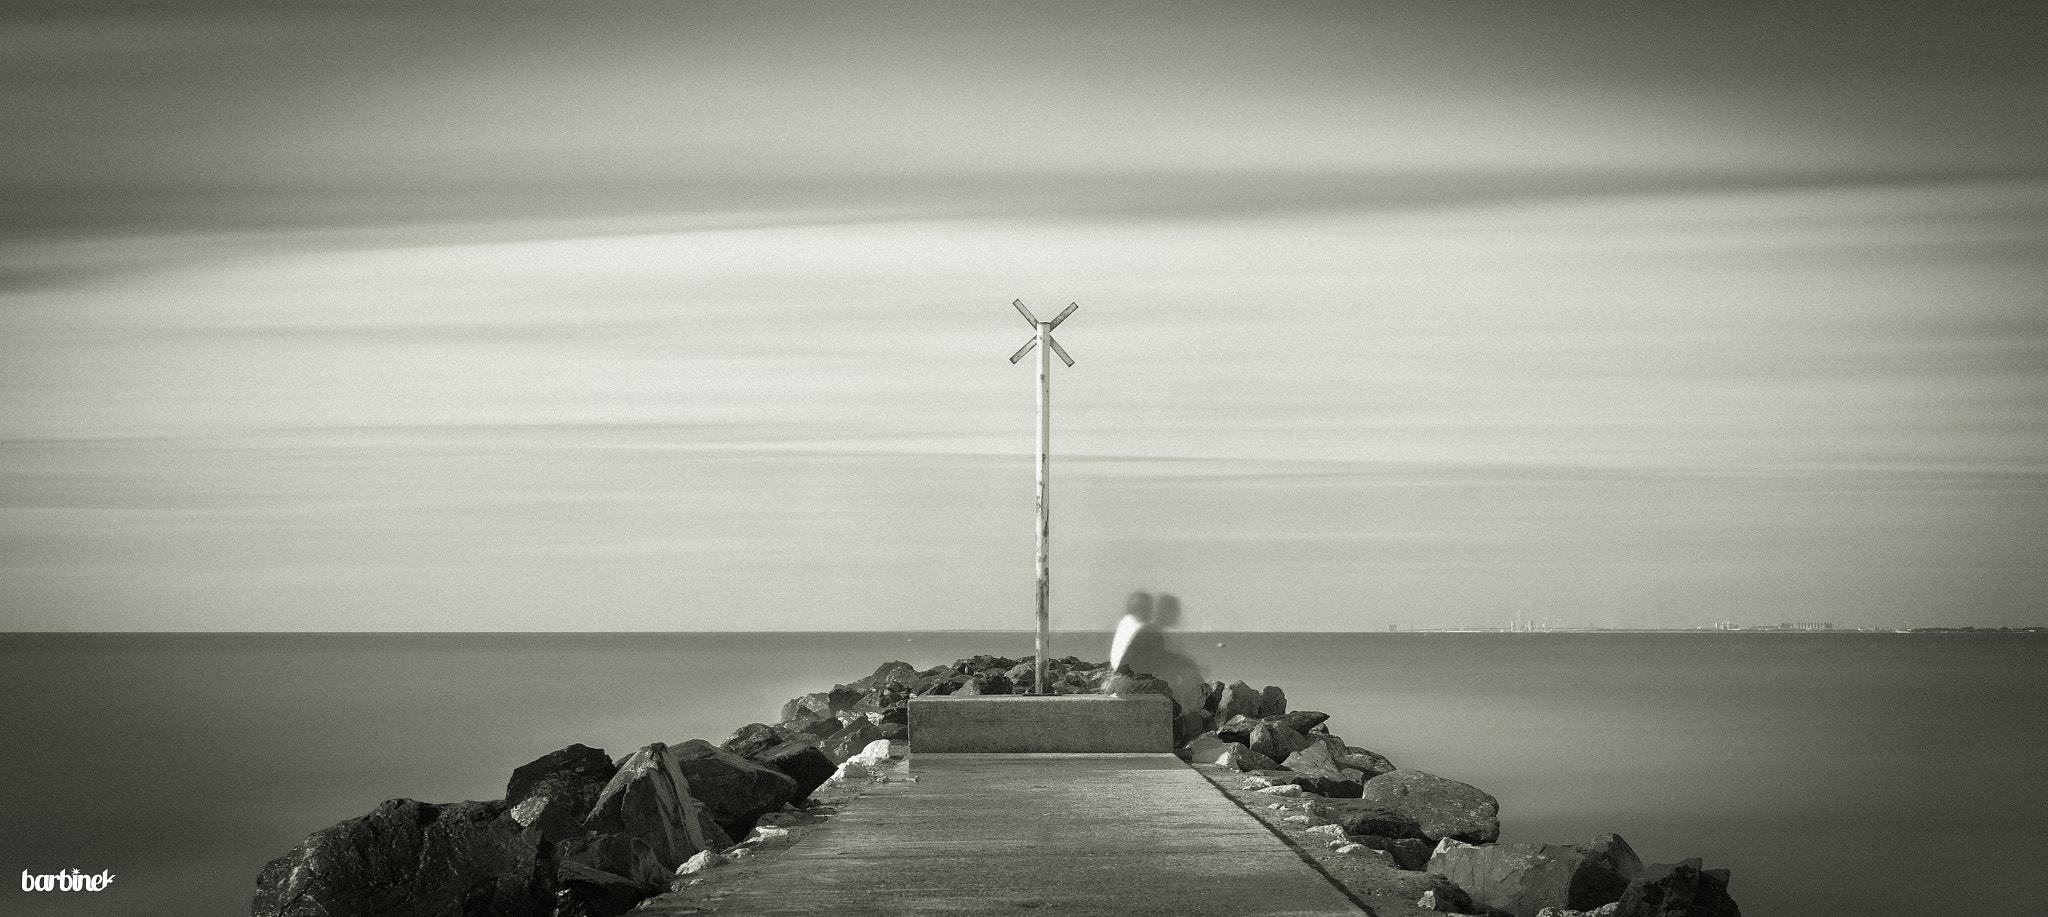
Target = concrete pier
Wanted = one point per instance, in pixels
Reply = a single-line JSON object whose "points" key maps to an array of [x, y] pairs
{"points": [[1073, 835], [972, 724]]}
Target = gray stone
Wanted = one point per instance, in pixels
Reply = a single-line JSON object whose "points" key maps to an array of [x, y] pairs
{"points": [[1238, 699], [412, 859], [1443, 808], [1522, 879], [1359, 759], [804, 763], [1411, 853], [552, 793], [1680, 889], [622, 855], [1273, 702], [583, 889], [1314, 760], [753, 738], [735, 790], [1276, 741], [1371, 819], [649, 798], [1244, 759], [1300, 720], [848, 741]]}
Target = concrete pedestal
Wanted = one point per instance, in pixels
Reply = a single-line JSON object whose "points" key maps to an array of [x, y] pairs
{"points": [[1022, 723]]}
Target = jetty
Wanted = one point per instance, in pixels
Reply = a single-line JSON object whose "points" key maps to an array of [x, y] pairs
{"points": [[1074, 806]]}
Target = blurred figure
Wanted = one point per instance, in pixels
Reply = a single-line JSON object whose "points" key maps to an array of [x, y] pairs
{"points": [[1142, 646]]}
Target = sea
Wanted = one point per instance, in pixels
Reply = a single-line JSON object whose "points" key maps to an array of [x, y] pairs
{"points": [[1836, 774]]}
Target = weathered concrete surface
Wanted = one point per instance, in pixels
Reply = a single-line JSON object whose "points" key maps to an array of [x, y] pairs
{"points": [[1125, 835], [976, 724]]}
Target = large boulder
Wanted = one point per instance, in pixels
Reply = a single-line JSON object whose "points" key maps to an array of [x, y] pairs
{"points": [[1443, 808], [1299, 720], [1273, 702], [1371, 763], [1678, 890], [804, 763], [736, 791], [413, 859], [1238, 699], [585, 890], [553, 792], [629, 858], [1316, 771], [649, 798], [849, 741], [1523, 879], [818, 704], [754, 738], [1364, 818], [1276, 741]]}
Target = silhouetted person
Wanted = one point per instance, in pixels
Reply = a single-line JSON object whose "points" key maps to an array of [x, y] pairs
{"points": [[1142, 646]]}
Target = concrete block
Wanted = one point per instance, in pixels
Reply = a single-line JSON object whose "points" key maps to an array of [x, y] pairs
{"points": [[1025, 723]]}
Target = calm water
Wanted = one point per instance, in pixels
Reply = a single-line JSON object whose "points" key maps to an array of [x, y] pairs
{"points": [[1836, 774]]}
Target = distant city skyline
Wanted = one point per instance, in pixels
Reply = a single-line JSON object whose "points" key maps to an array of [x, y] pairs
{"points": [[696, 316]]}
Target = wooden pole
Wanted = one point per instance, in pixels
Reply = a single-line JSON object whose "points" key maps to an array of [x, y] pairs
{"points": [[1044, 501], [1042, 339]]}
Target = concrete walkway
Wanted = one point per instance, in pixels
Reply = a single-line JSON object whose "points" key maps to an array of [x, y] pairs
{"points": [[1063, 835]]}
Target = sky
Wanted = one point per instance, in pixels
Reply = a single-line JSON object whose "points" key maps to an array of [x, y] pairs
{"points": [[395, 316]]}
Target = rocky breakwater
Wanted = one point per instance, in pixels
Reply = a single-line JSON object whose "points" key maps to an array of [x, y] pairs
{"points": [[1408, 842], [579, 834]]}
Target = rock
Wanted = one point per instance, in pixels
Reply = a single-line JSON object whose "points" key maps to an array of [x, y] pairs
{"points": [[1522, 879], [1202, 749], [1283, 790], [896, 673], [621, 855], [1360, 818], [1329, 831], [755, 738], [810, 705], [1678, 890], [803, 762], [412, 859], [993, 683], [1315, 759], [1358, 758], [1212, 694], [1276, 741], [1244, 759], [1237, 728], [553, 792], [842, 698], [649, 798], [1605, 910], [1447, 901], [1273, 702], [1411, 853], [1189, 724], [735, 790], [849, 741], [879, 753], [1443, 808], [1238, 699], [814, 728], [702, 861], [894, 731], [1343, 787], [1300, 720], [585, 890]]}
